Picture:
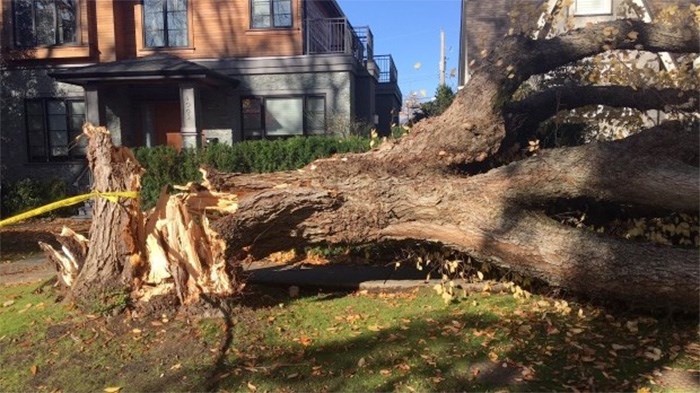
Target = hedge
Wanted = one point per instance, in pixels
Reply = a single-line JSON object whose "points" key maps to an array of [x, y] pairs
{"points": [[166, 166]]}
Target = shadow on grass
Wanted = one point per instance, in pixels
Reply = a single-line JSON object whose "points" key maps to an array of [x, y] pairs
{"points": [[457, 349]]}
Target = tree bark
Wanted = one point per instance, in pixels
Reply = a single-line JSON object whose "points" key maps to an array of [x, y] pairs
{"points": [[490, 216], [412, 189], [115, 255]]}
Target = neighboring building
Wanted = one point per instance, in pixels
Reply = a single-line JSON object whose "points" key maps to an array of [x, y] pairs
{"points": [[180, 72], [485, 22]]}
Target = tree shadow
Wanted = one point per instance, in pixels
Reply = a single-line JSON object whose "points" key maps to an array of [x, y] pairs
{"points": [[463, 349]]}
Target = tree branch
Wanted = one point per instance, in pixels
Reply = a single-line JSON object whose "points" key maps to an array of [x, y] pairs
{"points": [[657, 167], [541, 106], [540, 56]]}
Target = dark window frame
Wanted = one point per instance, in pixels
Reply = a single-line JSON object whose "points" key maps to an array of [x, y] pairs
{"points": [[166, 39], [46, 130], [306, 131], [271, 4], [57, 25]]}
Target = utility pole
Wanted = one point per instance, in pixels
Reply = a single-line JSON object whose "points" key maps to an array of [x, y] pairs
{"points": [[442, 57]]}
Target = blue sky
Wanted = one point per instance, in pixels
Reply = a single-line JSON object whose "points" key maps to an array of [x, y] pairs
{"points": [[409, 30]]}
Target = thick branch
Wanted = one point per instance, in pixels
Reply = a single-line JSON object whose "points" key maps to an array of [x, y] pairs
{"points": [[473, 128], [581, 261], [540, 56], [657, 167], [541, 106]]}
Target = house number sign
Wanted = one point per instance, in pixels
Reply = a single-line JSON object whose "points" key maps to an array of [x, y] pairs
{"points": [[188, 107]]}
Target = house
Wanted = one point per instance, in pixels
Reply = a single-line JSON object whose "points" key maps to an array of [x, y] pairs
{"points": [[485, 22], [180, 72]]}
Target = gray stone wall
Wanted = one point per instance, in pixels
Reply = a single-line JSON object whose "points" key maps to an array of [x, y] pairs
{"points": [[218, 114], [15, 87]]}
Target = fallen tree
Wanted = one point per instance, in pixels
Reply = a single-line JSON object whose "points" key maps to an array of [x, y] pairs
{"points": [[434, 185], [420, 188]]}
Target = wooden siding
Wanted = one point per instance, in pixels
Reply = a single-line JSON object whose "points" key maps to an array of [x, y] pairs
{"points": [[113, 30], [221, 29]]}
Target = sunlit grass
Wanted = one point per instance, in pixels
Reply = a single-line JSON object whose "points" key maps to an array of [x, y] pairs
{"points": [[409, 341]]}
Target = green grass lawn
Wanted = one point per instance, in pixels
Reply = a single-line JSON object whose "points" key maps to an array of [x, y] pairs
{"points": [[410, 341]]}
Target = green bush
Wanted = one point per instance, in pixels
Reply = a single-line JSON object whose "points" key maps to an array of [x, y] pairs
{"points": [[165, 166], [28, 194]]}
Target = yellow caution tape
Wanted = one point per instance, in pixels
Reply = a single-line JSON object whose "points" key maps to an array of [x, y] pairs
{"points": [[110, 196]]}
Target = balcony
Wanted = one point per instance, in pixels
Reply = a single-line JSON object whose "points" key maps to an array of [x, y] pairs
{"points": [[334, 35], [387, 69]]}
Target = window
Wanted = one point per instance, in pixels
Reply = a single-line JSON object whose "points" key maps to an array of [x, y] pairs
{"points": [[272, 117], [592, 7], [270, 13], [45, 22], [315, 115], [53, 127], [165, 23]]}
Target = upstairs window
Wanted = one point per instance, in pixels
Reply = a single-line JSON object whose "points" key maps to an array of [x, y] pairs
{"points": [[53, 129], [592, 7], [267, 14], [165, 23], [45, 22]]}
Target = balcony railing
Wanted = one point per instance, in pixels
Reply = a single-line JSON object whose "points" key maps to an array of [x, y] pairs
{"points": [[387, 69], [367, 39], [333, 35]]}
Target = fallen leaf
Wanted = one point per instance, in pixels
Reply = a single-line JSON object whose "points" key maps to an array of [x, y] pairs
{"points": [[136, 331], [361, 362], [292, 375], [385, 372], [493, 356], [374, 328], [112, 389], [252, 387], [34, 369], [8, 303]]}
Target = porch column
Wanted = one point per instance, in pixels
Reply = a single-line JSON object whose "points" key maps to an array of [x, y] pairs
{"points": [[92, 105], [189, 106], [149, 138]]}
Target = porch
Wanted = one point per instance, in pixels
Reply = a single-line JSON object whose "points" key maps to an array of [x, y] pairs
{"points": [[157, 98]]}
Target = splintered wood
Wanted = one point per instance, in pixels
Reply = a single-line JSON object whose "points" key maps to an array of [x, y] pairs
{"points": [[184, 253], [171, 249], [70, 259]]}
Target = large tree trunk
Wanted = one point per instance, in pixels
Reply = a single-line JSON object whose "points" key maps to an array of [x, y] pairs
{"points": [[428, 187], [417, 188], [492, 216]]}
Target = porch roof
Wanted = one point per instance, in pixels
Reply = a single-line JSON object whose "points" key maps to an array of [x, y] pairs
{"points": [[154, 68]]}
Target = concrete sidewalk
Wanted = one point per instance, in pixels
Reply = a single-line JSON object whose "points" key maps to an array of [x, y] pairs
{"points": [[335, 276]]}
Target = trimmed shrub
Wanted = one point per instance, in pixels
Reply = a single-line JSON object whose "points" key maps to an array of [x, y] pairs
{"points": [[166, 166], [28, 194]]}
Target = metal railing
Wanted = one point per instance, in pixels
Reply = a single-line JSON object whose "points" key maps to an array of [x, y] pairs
{"points": [[333, 35], [367, 39], [387, 69]]}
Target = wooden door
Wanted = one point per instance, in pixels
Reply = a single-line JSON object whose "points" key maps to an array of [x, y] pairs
{"points": [[167, 123]]}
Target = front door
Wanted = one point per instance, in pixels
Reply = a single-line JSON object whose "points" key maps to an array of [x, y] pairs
{"points": [[167, 123]]}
